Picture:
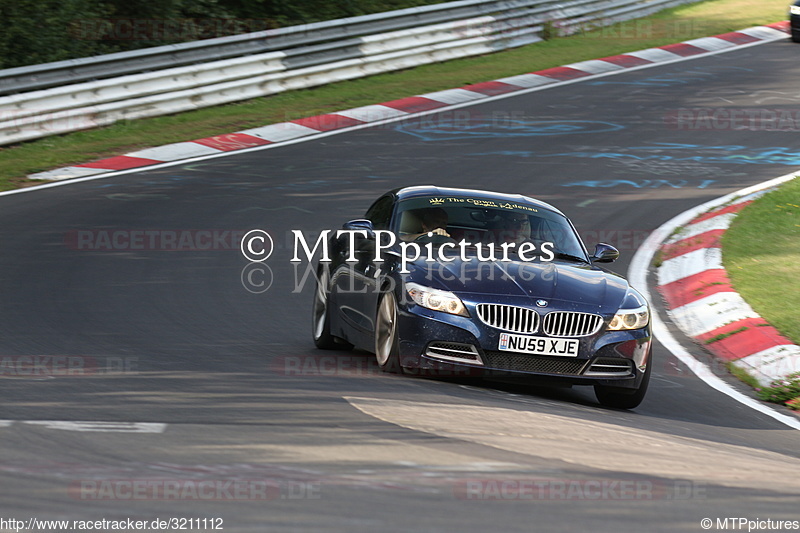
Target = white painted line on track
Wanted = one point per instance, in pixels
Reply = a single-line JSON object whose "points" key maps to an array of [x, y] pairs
{"points": [[175, 151], [762, 32], [689, 264], [719, 222], [657, 55], [371, 113], [780, 360], [711, 43], [453, 96], [527, 80], [712, 312], [277, 133], [596, 66], [107, 427]]}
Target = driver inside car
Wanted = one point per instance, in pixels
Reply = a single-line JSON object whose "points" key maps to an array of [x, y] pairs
{"points": [[513, 227], [434, 221]]}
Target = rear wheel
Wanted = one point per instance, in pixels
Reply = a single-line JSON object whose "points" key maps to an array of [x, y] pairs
{"points": [[320, 317], [386, 337], [619, 398]]}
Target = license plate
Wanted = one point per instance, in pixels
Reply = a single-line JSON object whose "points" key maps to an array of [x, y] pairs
{"points": [[538, 345]]}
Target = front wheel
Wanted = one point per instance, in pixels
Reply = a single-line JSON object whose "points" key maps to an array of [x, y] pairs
{"points": [[621, 398], [796, 36], [386, 336]]}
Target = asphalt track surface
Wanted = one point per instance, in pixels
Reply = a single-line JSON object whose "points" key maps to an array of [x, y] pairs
{"points": [[175, 338]]}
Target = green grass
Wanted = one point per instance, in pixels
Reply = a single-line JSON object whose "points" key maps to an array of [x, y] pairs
{"points": [[674, 25], [761, 252], [743, 375], [722, 336]]}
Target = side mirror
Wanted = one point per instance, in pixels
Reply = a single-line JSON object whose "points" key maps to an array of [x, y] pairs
{"points": [[360, 224], [604, 253]]}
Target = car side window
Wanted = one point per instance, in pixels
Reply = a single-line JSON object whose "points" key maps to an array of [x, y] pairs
{"points": [[380, 212]]}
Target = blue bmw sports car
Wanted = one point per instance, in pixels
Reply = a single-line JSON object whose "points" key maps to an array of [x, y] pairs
{"points": [[452, 280]]}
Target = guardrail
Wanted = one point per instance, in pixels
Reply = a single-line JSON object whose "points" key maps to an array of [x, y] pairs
{"points": [[101, 90]]}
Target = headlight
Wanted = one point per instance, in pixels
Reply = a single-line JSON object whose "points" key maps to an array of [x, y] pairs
{"points": [[443, 301], [630, 319], [794, 10]]}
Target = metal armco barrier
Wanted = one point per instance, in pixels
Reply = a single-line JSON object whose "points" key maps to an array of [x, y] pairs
{"points": [[65, 96]]}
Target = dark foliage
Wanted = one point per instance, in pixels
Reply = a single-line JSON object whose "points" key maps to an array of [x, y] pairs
{"points": [[41, 31]]}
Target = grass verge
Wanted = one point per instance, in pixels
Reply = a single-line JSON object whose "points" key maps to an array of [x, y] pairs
{"points": [[761, 252], [711, 17], [743, 376]]}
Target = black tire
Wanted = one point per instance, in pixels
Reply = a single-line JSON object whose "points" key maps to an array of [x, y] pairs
{"points": [[320, 314], [387, 351], [618, 398], [796, 36]]}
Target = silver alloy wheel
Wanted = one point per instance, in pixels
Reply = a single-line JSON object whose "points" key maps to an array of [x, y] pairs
{"points": [[385, 329], [321, 303]]}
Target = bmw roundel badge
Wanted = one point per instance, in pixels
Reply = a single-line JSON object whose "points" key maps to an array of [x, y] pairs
{"points": [[541, 303]]}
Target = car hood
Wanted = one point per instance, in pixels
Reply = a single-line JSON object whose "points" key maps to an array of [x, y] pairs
{"points": [[574, 285]]}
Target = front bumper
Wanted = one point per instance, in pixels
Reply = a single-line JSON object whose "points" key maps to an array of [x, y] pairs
{"points": [[442, 345]]}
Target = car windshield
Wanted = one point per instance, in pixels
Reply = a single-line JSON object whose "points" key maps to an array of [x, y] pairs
{"points": [[486, 222]]}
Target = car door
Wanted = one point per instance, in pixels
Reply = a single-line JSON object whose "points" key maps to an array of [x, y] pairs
{"points": [[356, 282], [380, 214]]}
